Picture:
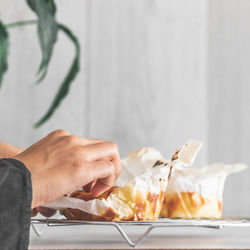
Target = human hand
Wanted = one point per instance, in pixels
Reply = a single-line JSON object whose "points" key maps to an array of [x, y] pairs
{"points": [[61, 163]]}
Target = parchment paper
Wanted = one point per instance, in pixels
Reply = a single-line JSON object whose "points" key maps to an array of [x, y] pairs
{"points": [[140, 170]]}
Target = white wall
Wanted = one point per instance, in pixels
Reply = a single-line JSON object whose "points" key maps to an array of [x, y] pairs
{"points": [[228, 95], [153, 73], [147, 73]]}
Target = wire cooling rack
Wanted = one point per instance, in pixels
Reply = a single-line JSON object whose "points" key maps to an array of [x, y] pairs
{"points": [[150, 225]]}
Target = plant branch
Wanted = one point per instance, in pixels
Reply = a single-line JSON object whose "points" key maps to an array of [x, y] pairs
{"points": [[20, 23]]}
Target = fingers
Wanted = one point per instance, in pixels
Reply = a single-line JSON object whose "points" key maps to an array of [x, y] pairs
{"points": [[117, 163], [71, 177], [104, 151], [99, 188], [77, 140], [88, 188], [103, 176], [95, 149], [104, 172], [92, 141]]}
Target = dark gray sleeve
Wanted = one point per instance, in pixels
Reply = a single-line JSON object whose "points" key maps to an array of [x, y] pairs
{"points": [[15, 205]]}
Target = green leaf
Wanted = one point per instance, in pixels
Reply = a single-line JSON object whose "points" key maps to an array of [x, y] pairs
{"points": [[47, 29], [49, 3], [4, 46], [65, 86]]}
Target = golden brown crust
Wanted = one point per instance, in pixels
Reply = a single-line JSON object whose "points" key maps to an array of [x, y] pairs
{"points": [[142, 208], [190, 205], [76, 214]]}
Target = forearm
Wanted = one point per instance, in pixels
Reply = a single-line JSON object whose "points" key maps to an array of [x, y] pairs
{"points": [[8, 151]]}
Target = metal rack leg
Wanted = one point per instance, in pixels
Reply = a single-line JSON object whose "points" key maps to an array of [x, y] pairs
{"points": [[35, 230], [122, 232], [146, 233], [128, 240], [214, 227]]}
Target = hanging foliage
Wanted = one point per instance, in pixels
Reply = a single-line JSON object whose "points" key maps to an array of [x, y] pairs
{"points": [[4, 46], [47, 30], [64, 88]]}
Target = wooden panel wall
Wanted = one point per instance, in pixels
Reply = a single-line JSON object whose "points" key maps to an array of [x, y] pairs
{"points": [[148, 73], [153, 74], [228, 95]]}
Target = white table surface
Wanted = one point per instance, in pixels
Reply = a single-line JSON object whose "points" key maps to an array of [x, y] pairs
{"points": [[103, 237]]}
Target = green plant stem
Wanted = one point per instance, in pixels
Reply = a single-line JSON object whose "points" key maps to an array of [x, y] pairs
{"points": [[20, 23]]}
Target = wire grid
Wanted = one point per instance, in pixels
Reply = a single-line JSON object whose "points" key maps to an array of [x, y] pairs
{"points": [[162, 222]]}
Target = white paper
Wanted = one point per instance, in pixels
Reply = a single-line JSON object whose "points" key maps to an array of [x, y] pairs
{"points": [[207, 181], [138, 171]]}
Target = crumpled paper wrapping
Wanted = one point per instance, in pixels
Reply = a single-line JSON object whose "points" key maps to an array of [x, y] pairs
{"points": [[197, 192], [144, 171], [137, 172]]}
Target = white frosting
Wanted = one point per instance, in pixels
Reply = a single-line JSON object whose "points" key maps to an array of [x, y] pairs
{"points": [[207, 181]]}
